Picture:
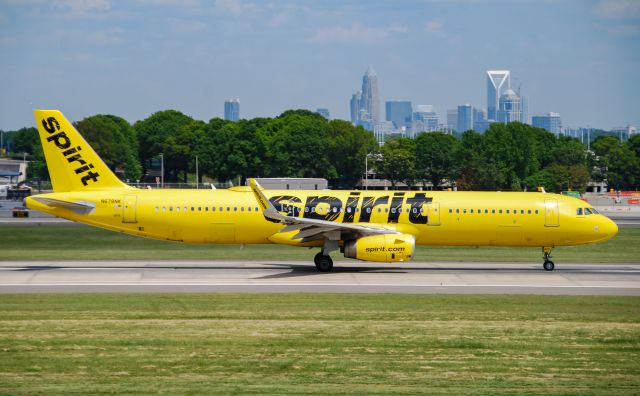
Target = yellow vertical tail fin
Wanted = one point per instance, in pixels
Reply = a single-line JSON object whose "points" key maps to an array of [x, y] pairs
{"points": [[73, 165]]}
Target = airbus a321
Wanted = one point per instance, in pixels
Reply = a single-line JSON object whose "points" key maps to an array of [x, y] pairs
{"points": [[377, 226]]}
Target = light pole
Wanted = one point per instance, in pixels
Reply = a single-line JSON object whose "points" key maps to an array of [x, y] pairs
{"points": [[197, 179], [161, 170]]}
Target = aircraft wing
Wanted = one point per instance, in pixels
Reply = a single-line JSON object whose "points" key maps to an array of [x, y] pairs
{"points": [[313, 229], [80, 207]]}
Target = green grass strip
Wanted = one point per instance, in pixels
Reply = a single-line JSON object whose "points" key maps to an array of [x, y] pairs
{"points": [[318, 344], [55, 242]]}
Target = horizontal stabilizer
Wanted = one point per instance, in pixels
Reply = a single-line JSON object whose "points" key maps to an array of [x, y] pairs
{"points": [[79, 207]]}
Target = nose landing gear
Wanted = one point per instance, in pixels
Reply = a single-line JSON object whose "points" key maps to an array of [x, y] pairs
{"points": [[548, 264]]}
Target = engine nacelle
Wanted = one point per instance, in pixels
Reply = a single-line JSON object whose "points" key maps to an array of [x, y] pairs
{"points": [[384, 248]]}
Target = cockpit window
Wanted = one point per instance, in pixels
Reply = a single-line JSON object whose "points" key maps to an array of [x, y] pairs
{"points": [[594, 211], [579, 211], [587, 211]]}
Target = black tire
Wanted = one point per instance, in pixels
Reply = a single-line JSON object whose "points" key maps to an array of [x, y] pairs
{"points": [[548, 265], [323, 263]]}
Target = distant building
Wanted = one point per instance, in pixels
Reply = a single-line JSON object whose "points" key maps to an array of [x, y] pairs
{"points": [[365, 104], [424, 120], [452, 120], [509, 107], [498, 81], [524, 107], [371, 95], [550, 121], [400, 112], [354, 105], [232, 109], [625, 132], [465, 118], [324, 113]]}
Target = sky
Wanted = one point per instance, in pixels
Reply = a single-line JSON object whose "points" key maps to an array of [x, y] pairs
{"points": [[580, 58]]}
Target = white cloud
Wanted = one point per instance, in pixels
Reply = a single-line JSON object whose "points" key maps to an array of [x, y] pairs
{"points": [[235, 7], [81, 7], [624, 30], [278, 19], [435, 27], [356, 33], [618, 9], [186, 25]]}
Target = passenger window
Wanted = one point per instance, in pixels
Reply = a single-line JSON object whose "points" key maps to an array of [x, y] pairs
{"points": [[213, 208], [228, 209], [368, 210], [507, 211], [235, 208], [493, 211], [521, 211], [206, 208], [536, 211], [164, 209], [348, 210], [471, 211], [199, 208], [464, 211], [177, 208], [249, 209], [257, 209], [529, 211], [486, 211], [457, 210], [450, 210], [242, 208], [500, 211]]}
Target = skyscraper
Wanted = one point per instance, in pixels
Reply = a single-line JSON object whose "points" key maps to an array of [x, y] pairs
{"points": [[232, 109], [354, 105], [370, 95], [509, 107], [399, 112], [550, 121], [498, 81], [465, 118], [452, 119]]}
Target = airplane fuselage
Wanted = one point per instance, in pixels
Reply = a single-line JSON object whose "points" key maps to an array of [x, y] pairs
{"points": [[432, 217]]}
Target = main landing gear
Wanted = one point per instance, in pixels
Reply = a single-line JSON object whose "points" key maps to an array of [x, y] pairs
{"points": [[324, 263], [548, 264]]}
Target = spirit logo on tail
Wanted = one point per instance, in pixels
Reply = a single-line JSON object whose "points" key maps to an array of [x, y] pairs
{"points": [[63, 143]]}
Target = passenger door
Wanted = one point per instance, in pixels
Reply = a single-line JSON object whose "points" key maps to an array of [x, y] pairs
{"points": [[551, 213]]}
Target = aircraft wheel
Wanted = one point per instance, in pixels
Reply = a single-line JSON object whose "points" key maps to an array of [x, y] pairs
{"points": [[323, 263], [548, 265]]}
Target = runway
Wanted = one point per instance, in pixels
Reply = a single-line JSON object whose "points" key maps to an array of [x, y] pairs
{"points": [[347, 277]]}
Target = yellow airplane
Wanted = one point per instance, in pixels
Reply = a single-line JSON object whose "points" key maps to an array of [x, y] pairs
{"points": [[380, 226]]}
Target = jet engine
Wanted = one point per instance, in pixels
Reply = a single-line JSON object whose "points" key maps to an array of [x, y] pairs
{"points": [[384, 248]]}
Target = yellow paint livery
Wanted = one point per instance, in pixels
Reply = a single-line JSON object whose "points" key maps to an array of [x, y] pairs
{"points": [[381, 226]]}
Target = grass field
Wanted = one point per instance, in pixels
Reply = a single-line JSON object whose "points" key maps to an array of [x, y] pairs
{"points": [[55, 242], [310, 344]]}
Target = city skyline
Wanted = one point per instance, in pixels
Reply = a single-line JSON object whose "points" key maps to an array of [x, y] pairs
{"points": [[577, 58]]}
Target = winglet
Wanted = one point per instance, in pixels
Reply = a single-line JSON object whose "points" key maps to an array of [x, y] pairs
{"points": [[267, 207]]}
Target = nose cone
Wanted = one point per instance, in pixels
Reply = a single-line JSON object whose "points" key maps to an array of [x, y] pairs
{"points": [[607, 228]]}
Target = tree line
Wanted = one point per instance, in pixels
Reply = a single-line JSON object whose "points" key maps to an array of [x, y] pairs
{"points": [[300, 143]]}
